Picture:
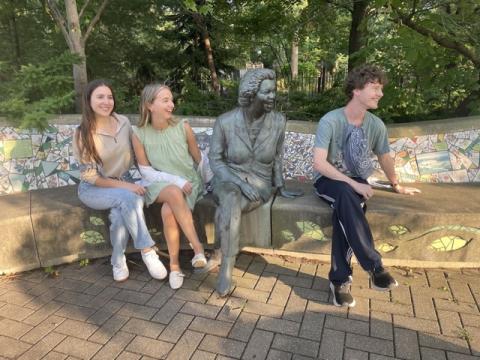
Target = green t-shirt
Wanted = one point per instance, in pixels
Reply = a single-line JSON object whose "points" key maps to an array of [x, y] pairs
{"points": [[330, 133]]}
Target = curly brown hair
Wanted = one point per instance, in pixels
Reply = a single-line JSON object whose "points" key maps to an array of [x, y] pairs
{"points": [[361, 76]]}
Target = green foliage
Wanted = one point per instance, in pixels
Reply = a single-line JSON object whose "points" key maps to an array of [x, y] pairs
{"points": [[309, 107], [84, 262], [139, 42], [193, 101], [37, 91], [51, 271]]}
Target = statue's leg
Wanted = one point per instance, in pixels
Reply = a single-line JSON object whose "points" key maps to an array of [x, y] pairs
{"points": [[227, 230]]}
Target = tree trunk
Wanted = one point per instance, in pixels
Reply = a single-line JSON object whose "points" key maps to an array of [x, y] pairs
{"points": [[202, 27], [14, 36], [294, 59], [72, 32], [211, 63], [76, 47], [357, 33]]}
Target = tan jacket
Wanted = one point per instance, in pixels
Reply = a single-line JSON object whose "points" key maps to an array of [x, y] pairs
{"points": [[115, 151]]}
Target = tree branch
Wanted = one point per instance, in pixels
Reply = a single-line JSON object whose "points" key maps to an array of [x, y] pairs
{"points": [[83, 9], [438, 38], [94, 21], [55, 12]]}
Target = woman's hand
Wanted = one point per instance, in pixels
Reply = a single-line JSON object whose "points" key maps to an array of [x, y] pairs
{"points": [[187, 188], [137, 189]]}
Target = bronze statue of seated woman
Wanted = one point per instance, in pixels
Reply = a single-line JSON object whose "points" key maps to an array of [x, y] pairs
{"points": [[246, 159]]}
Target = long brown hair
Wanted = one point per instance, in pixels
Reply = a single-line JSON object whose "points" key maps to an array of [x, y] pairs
{"points": [[88, 124]]}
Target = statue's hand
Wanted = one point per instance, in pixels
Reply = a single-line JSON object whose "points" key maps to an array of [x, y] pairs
{"points": [[249, 191], [289, 193]]}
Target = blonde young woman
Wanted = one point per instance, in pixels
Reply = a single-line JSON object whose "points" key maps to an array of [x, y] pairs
{"points": [[103, 149], [162, 143]]}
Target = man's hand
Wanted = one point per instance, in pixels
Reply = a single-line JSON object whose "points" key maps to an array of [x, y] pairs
{"points": [[405, 190], [249, 191], [290, 194], [363, 189]]}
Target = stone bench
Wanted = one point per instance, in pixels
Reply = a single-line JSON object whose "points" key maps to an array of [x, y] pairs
{"points": [[51, 226], [442, 224], [44, 227]]}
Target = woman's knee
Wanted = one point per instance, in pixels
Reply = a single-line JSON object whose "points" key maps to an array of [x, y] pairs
{"points": [[127, 197], [171, 194]]}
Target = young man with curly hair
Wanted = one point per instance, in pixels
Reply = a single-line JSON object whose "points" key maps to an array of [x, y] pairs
{"points": [[345, 139]]}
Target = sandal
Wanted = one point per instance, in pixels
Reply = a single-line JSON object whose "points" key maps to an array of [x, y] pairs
{"points": [[199, 261]]}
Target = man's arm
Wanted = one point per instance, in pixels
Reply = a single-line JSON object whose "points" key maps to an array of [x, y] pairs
{"points": [[321, 165], [388, 166]]}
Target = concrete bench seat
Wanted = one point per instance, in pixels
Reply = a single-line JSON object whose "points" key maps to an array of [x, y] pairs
{"points": [[51, 226], [440, 224], [42, 227], [18, 251]]}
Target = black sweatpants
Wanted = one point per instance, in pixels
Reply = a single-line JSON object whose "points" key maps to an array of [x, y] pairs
{"points": [[351, 232]]}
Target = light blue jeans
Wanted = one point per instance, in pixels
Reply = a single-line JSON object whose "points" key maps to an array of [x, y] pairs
{"points": [[126, 216]]}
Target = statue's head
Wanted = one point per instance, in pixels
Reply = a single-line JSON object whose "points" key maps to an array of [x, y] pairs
{"points": [[250, 84]]}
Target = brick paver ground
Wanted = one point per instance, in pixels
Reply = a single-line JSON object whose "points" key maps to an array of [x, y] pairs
{"points": [[280, 309]]}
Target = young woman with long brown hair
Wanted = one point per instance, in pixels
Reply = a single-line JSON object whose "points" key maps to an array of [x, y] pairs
{"points": [[102, 146]]}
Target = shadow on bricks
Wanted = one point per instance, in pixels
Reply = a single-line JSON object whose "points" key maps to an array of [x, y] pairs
{"points": [[278, 310]]}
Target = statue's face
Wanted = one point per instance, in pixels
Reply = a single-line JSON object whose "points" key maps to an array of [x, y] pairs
{"points": [[265, 97]]}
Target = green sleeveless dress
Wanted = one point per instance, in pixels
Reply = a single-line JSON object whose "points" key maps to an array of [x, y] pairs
{"points": [[167, 150]]}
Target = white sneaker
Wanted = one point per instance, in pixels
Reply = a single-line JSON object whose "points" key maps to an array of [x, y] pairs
{"points": [[120, 271], [154, 265], [199, 261], [176, 279]]}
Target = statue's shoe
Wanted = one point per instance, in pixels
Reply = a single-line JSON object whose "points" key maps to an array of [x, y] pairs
{"points": [[224, 289], [224, 282]]}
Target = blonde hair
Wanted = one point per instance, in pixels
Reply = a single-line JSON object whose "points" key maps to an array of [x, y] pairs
{"points": [[149, 93]]}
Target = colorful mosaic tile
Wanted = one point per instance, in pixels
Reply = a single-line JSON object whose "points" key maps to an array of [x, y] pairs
{"points": [[31, 160], [298, 156], [434, 162], [15, 149]]}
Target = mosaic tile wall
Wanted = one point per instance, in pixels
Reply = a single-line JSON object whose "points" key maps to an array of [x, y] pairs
{"points": [[31, 160], [450, 157]]}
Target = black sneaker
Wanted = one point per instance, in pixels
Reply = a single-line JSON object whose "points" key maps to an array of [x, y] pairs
{"points": [[341, 295], [382, 280]]}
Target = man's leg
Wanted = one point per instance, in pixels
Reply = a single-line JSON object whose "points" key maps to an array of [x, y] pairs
{"points": [[350, 216], [341, 268], [350, 212]]}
